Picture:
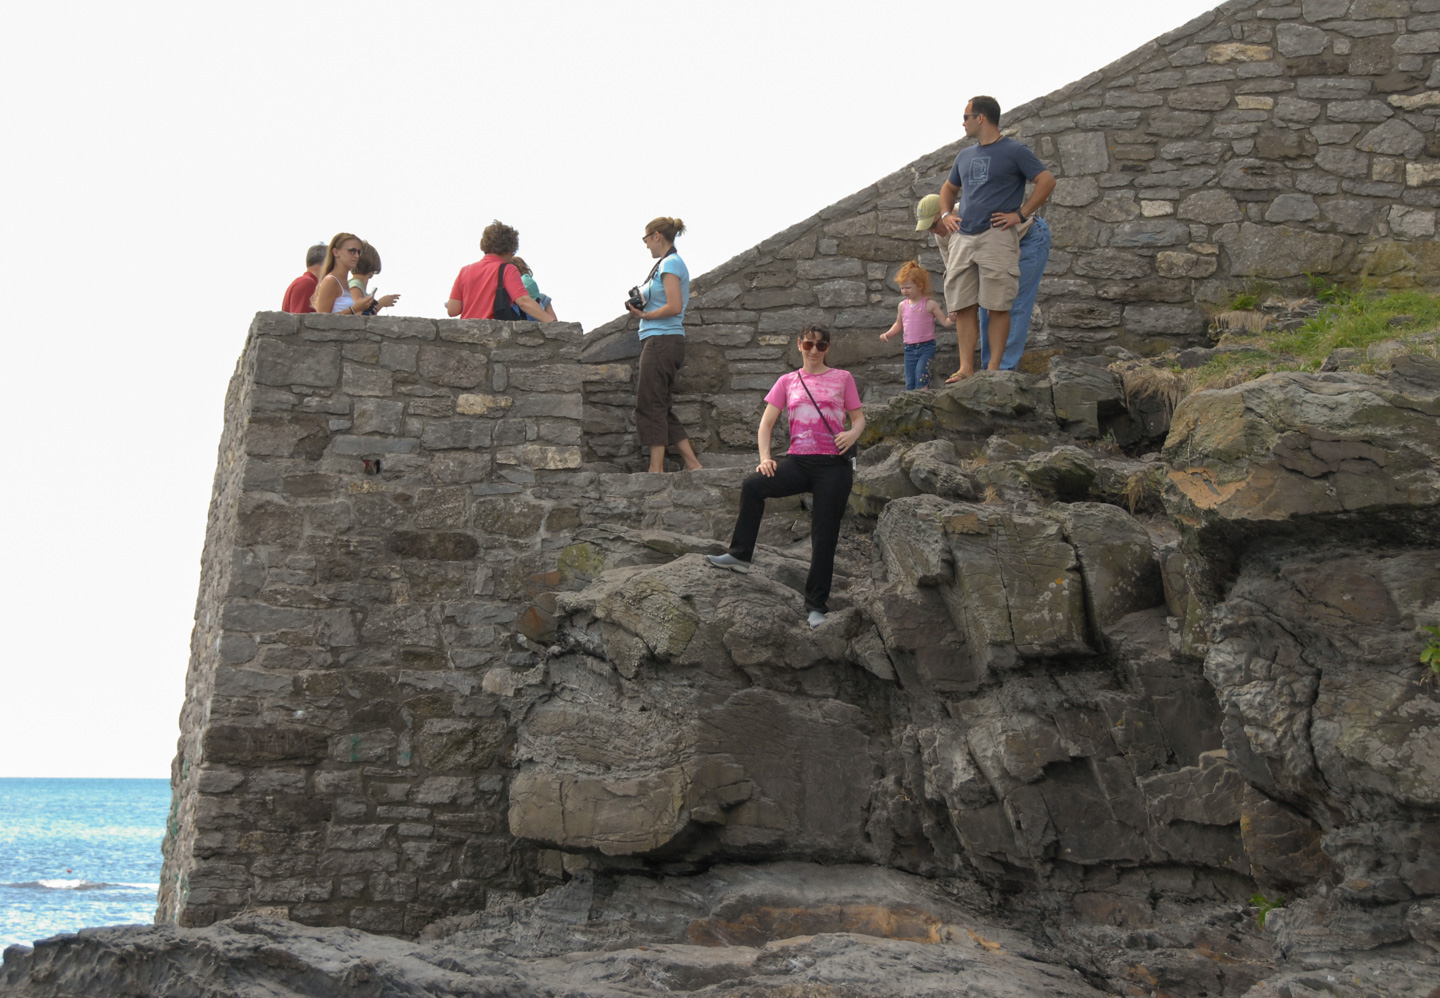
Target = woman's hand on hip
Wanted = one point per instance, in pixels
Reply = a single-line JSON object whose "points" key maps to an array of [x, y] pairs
{"points": [[845, 439], [766, 467]]}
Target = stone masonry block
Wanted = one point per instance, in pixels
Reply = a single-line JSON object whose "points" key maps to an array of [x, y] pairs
{"points": [[1084, 153], [1324, 10], [453, 434], [451, 366], [1358, 110], [1394, 138], [1292, 208], [1279, 250], [483, 405], [547, 378], [281, 364], [359, 380], [1237, 52], [399, 356], [1412, 223], [1213, 98], [829, 267], [1422, 174], [378, 416], [1300, 39]]}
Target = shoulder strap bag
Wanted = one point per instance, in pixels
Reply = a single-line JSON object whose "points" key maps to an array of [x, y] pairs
{"points": [[505, 309]]}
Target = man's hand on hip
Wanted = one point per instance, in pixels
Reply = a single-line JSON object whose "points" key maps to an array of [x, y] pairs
{"points": [[1005, 219]]}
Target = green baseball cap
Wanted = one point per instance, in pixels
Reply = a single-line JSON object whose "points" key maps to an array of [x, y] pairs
{"points": [[926, 212]]}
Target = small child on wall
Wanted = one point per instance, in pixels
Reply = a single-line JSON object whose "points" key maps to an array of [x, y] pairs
{"points": [[916, 317], [528, 279], [366, 268]]}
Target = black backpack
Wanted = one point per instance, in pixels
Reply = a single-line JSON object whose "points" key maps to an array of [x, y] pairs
{"points": [[505, 309]]}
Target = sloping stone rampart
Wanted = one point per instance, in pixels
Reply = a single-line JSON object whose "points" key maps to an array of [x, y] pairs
{"points": [[1264, 140]]}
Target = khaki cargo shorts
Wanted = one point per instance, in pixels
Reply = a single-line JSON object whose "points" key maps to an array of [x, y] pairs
{"points": [[983, 268]]}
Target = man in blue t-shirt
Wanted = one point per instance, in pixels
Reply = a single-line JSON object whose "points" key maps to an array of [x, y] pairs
{"points": [[984, 263]]}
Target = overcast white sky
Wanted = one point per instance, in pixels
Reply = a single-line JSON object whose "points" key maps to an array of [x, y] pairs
{"points": [[165, 165]]}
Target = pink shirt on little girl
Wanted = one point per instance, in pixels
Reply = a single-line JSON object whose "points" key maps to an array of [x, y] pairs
{"points": [[918, 323], [834, 392]]}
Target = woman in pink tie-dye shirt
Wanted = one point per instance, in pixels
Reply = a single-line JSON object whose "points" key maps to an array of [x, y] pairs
{"points": [[817, 399]]}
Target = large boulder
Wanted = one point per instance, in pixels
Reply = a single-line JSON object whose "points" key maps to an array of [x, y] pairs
{"points": [[1258, 464], [694, 737]]}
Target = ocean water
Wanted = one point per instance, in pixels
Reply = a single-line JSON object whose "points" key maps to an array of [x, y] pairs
{"points": [[78, 852]]}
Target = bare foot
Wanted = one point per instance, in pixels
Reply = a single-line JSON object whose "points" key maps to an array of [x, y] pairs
{"points": [[693, 466]]}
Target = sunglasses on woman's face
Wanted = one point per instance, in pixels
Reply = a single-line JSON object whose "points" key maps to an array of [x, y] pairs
{"points": [[820, 345]]}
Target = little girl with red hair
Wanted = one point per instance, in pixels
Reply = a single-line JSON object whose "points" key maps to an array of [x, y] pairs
{"points": [[916, 317]]}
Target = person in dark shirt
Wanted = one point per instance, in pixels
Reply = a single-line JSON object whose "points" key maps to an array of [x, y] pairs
{"points": [[302, 289], [984, 265]]}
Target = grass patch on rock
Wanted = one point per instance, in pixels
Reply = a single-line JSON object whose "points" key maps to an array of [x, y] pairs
{"points": [[1353, 331]]}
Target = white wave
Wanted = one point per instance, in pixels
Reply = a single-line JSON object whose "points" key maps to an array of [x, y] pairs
{"points": [[58, 884], [80, 885]]}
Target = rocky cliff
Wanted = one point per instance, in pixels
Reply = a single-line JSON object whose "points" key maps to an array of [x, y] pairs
{"points": [[1080, 721]]}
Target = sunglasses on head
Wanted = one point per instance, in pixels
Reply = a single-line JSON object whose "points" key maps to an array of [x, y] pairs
{"points": [[820, 345]]}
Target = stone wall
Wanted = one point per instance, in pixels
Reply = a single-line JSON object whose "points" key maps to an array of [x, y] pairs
{"points": [[1263, 140], [342, 758]]}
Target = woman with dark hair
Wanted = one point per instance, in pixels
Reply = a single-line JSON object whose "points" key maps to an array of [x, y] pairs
{"points": [[662, 346], [331, 292], [476, 288], [817, 400]]}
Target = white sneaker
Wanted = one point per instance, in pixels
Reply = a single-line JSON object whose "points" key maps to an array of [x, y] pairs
{"points": [[816, 618], [728, 561]]}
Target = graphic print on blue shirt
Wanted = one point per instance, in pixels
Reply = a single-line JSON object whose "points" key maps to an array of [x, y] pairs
{"points": [[979, 171]]}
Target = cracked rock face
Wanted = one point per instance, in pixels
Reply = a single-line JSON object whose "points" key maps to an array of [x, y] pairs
{"points": [[1041, 692], [1040, 745]]}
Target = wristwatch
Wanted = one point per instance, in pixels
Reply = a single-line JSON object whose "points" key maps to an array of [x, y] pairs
{"points": [[1021, 214]]}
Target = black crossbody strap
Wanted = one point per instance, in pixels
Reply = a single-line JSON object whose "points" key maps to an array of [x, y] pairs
{"points": [[818, 411], [655, 269]]}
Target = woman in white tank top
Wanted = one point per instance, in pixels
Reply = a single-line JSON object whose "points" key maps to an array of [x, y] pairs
{"points": [[331, 292]]}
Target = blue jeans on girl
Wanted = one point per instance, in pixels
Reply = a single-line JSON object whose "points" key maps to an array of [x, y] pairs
{"points": [[917, 364]]}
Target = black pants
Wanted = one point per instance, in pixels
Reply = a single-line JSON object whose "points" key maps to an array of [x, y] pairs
{"points": [[827, 478]]}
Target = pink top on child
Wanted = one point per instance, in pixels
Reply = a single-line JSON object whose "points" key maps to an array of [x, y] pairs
{"points": [[834, 392], [918, 323]]}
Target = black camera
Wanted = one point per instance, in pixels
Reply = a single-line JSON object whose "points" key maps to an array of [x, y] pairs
{"points": [[635, 301]]}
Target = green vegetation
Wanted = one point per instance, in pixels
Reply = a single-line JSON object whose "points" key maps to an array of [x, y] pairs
{"points": [[1249, 297], [1326, 291], [1266, 906], [1430, 654], [1353, 320]]}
